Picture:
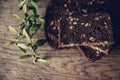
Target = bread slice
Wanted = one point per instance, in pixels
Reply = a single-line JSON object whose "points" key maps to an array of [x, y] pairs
{"points": [[67, 26]]}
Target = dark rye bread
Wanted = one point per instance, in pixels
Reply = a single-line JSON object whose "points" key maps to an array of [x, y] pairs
{"points": [[87, 28], [81, 6], [77, 30], [58, 8], [68, 25]]}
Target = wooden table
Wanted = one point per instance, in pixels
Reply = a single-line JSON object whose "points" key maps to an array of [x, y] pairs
{"points": [[62, 64]]}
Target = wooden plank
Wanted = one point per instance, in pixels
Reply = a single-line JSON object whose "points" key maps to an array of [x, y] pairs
{"points": [[65, 64]]}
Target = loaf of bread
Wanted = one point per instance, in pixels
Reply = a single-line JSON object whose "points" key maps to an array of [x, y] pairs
{"points": [[69, 24]]}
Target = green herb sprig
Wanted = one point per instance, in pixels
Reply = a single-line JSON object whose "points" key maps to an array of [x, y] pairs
{"points": [[25, 31]]}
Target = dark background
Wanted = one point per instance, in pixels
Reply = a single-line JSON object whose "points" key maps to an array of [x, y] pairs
{"points": [[114, 10]]}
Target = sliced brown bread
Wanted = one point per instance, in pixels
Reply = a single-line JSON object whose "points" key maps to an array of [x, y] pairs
{"points": [[67, 25]]}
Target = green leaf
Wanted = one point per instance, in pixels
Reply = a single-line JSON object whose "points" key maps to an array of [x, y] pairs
{"points": [[25, 8], [13, 30], [22, 49], [23, 46], [40, 42], [26, 34], [25, 56], [9, 42], [42, 21], [36, 59], [34, 27], [17, 16], [34, 4], [21, 3], [32, 17], [29, 23], [42, 60]]}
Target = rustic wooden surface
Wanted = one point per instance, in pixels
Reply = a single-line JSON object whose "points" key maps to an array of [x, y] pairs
{"points": [[62, 64]]}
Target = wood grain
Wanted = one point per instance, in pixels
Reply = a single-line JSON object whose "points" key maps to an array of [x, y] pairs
{"points": [[65, 64]]}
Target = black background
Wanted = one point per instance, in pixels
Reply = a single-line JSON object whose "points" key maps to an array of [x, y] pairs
{"points": [[114, 10]]}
